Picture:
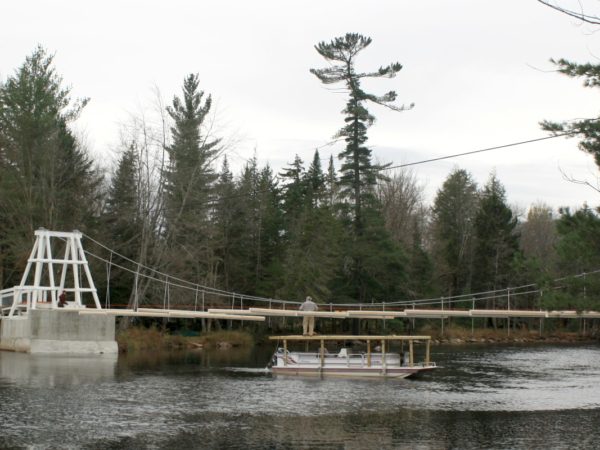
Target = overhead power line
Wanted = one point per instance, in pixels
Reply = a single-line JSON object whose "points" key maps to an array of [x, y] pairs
{"points": [[498, 147], [398, 166]]}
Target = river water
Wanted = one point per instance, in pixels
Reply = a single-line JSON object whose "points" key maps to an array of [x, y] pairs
{"points": [[506, 397]]}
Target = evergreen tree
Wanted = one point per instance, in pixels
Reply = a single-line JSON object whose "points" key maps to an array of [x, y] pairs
{"points": [[578, 241], [313, 239], [378, 267], [587, 129], [269, 227], [315, 183], [257, 251], [312, 256], [243, 229], [189, 183], [497, 242], [46, 177], [420, 267], [374, 266], [453, 215], [358, 174], [123, 221], [227, 229], [331, 184], [570, 237], [294, 191], [122, 209]]}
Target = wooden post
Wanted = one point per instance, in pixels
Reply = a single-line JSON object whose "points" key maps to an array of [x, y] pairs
{"points": [[410, 353], [383, 355], [368, 353], [427, 352], [442, 325], [473, 320], [322, 353], [508, 309], [285, 356]]}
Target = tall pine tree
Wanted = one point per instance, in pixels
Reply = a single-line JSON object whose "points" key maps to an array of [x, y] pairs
{"points": [[47, 179], [358, 174], [496, 240], [123, 222], [374, 267], [312, 253], [453, 216], [190, 180], [587, 129]]}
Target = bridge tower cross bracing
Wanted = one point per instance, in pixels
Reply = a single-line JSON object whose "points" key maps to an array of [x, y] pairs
{"points": [[42, 261]]}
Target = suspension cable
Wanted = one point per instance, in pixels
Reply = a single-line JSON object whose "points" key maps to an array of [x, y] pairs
{"points": [[170, 281]]}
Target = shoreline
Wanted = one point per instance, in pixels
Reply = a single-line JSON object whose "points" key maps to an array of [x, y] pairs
{"points": [[463, 337], [144, 339]]}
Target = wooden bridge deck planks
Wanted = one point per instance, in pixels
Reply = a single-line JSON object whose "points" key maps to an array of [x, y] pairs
{"points": [[259, 314]]}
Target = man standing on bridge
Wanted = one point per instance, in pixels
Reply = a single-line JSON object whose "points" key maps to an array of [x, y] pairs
{"points": [[308, 322]]}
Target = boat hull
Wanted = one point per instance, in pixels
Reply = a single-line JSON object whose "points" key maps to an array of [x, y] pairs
{"points": [[345, 365], [372, 372]]}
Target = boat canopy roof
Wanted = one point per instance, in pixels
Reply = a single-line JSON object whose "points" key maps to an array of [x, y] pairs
{"points": [[341, 337]]}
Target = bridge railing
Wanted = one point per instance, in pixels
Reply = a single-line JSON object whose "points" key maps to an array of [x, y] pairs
{"points": [[19, 299], [6, 301]]}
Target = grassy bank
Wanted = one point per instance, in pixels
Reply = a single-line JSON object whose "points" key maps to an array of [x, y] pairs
{"points": [[136, 338], [460, 335], [153, 339]]}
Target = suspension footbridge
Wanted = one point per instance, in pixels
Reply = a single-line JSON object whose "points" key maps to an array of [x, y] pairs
{"points": [[57, 279]]}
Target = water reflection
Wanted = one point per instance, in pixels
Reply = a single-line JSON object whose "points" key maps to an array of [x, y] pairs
{"points": [[50, 371], [482, 397]]}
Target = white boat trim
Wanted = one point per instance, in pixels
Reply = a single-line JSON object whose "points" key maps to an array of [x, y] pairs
{"points": [[345, 364]]}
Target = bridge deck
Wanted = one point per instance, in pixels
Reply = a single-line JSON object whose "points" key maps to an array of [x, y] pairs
{"points": [[259, 314]]}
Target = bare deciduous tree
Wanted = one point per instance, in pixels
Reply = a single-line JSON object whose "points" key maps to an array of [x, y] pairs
{"points": [[402, 200], [538, 235], [577, 14]]}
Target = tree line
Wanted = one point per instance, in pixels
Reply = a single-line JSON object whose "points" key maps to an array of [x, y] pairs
{"points": [[358, 233]]}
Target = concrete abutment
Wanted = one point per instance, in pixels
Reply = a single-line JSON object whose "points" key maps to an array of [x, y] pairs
{"points": [[61, 331]]}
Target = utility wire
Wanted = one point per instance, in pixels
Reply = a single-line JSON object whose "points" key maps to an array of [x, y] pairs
{"points": [[398, 166], [498, 147], [208, 289]]}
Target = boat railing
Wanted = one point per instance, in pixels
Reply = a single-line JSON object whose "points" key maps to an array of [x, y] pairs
{"points": [[385, 358], [347, 359]]}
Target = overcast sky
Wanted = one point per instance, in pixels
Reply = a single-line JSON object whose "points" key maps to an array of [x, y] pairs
{"points": [[478, 72]]}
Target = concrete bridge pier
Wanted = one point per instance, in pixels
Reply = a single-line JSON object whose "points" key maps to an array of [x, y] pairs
{"points": [[39, 318], [62, 331]]}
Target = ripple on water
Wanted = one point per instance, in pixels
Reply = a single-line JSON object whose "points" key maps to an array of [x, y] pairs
{"points": [[126, 402]]}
